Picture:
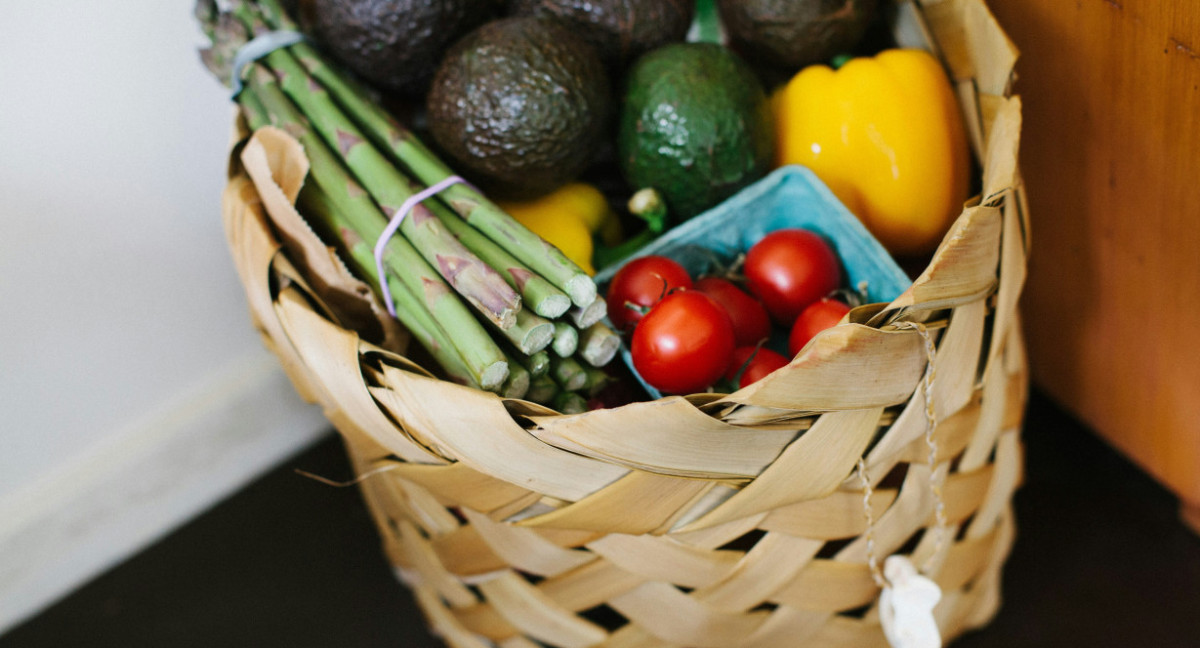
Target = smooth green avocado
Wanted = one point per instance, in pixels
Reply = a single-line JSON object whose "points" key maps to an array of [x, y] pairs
{"points": [[695, 125]]}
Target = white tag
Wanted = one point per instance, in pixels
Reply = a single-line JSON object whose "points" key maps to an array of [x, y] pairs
{"points": [[906, 606]]}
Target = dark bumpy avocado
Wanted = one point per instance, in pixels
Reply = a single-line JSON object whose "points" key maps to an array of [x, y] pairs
{"points": [[795, 33], [521, 105], [394, 44], [695, 124], [620, 30]]}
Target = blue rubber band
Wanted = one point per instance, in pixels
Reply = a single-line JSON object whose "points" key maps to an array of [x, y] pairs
{"points": [[257, 48]]}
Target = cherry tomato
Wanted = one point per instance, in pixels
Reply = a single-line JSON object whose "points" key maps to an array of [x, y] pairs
{"points": [[789, 269], [750, 321], [639, 285], [819, 316], [758, 362], [684, 343]]}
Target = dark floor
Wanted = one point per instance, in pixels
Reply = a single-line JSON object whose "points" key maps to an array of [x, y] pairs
{"points": [[1101, 560]]}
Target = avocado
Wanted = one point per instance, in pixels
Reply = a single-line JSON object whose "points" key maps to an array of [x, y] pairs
{"points": [[695, 125], [394, 44], [521, 105], [620, 30], [794, 33]]}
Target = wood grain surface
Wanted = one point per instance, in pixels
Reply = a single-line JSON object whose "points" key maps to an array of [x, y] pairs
{"points": [[1111, 157]]}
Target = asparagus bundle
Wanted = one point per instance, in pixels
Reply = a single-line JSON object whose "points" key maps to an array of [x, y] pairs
{"points": [[485, 296]]}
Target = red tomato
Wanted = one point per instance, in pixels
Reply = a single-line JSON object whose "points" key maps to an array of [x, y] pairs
{"points": [[758, 362], [789, 269], [642, 282], [750, 321], [684, 343], [817, 317]]}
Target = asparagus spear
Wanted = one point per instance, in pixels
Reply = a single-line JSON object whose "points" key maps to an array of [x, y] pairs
{"points": [[484, 360], [411, 312], [517, 384], [568, 373], [569, 403], [477, 282], [597, 380], [538, 363], [598, 344], [585, 316], [566, 339], [542, 389], [537, 293], [468, 202]]}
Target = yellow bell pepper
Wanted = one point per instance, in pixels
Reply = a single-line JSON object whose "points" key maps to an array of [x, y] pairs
{"points": [[567, 218], [885, 134]]}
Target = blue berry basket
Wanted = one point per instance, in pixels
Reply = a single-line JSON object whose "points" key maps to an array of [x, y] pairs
{"points": [[789, 197]]}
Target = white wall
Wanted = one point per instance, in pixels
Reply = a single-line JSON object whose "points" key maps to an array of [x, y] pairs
{"points": [[123, 329]]}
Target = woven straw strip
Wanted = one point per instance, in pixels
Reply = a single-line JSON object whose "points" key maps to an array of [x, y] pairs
{"points": [[842, 368], [837, 516], [424, 561], [787, 627], [687, 442], [538, 616], [526, 549], [622, 507], [331, 352], [676, 618], [666, 560], [813, 466], [768, 567]]}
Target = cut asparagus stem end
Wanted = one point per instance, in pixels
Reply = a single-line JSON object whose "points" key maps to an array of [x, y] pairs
{"points": [[566, 339], [517, 383], [494, 376], [568, 373], [537, 337], [538, 364], [542, 390], [582, 290], [553, 307], [570, 403], [590, 314], [599, 345]]}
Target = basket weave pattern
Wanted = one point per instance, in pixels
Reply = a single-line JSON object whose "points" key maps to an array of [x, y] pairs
{"points": [[709, 521]]}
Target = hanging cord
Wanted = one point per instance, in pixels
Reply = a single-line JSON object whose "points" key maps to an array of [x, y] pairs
{"points": [[869, 534], [931, 422], [935, 484]]}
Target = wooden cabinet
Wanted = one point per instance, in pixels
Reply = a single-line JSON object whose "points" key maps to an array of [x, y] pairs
{"points": [[1111, 158]]}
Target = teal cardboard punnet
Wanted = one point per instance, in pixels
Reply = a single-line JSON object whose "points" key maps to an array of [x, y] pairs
{"points": [[791, 196]]}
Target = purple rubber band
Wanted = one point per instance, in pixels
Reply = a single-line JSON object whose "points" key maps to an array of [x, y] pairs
{"points": [[394, 225]]}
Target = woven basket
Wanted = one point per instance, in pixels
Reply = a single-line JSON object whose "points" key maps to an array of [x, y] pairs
{"points": [[753, 519]]}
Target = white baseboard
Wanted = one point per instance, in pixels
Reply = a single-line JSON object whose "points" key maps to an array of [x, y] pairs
{"points": [[146, 480]]}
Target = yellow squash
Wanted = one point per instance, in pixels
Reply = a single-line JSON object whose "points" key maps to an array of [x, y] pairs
{"points": [[885, 134]]}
